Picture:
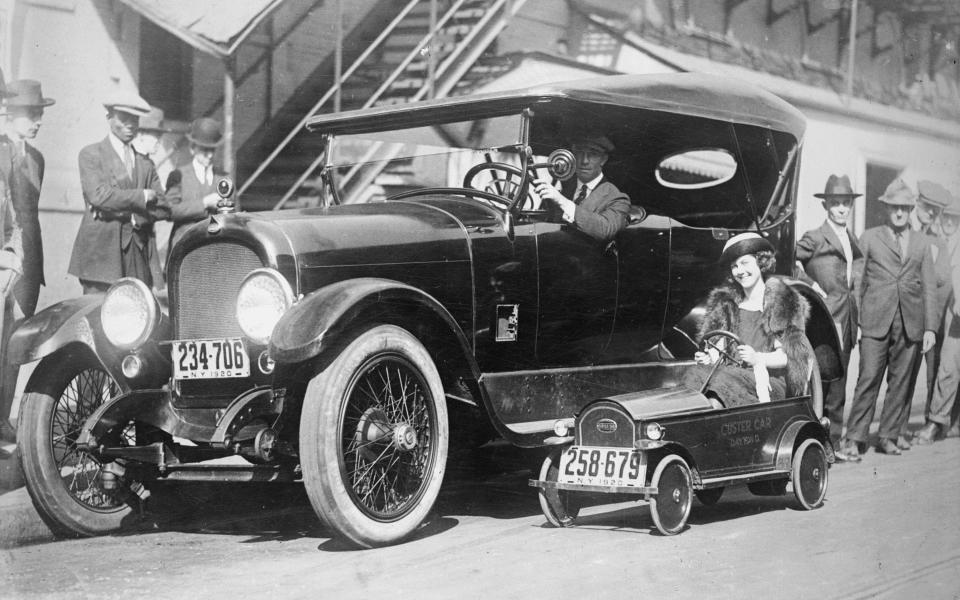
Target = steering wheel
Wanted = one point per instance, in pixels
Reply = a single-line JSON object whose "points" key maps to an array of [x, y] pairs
{"points": [[726, 356], [505, 181]]}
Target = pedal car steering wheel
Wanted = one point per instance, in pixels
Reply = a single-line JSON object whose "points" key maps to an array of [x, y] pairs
{"points": [[725, 356]]}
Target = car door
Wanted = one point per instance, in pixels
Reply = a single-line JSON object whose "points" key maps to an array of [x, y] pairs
{"points": [[578, 281]]}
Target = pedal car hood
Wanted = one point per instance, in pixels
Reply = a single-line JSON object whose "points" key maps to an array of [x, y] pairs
{"points": [[661, 402]]}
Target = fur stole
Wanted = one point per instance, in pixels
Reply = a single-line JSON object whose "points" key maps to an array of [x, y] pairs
{"points": [[785, 314]]}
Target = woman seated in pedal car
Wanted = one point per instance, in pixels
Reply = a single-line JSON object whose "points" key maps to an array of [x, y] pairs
{"points": [[769, 318]]}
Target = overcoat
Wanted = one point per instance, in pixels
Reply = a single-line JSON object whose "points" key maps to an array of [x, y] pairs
{"points": [[112, 199], [785, 314], [25, 177], [889, 283], [821, 254]]}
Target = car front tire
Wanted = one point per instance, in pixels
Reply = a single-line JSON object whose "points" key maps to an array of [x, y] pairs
{"points": [[374, 438]]}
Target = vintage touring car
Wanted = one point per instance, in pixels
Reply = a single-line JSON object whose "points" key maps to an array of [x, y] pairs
{"points": [[347, 345], [666, 445]]}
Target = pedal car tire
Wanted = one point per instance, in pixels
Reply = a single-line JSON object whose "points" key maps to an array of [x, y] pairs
{"points": [[559, 507], [671, 506], [709, 497], [809, 474]]}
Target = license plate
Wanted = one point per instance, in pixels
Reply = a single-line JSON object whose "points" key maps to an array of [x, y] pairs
{"points": [[608, 467], [210, 359]]}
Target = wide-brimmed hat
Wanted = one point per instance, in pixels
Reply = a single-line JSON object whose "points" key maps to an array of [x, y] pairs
{"points": [[154, 121], [838, 186], [26, 93], [128, 102], [898, 193], [205, 132], [933, 193], [593, 140], [743, 244]]}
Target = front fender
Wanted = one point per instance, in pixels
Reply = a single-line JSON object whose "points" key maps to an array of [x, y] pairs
{"points": [[73, 320], [312, 324], [821, 331]]}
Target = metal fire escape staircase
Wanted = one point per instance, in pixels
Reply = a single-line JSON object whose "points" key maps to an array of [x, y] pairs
{"points": [[423, 52]]}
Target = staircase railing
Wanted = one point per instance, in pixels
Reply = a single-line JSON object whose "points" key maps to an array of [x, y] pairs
{"points": [[458, 62], [377, 42]]}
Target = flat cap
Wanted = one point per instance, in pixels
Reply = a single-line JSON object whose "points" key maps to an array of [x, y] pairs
{"points": [[128, 102], [933, 193]]}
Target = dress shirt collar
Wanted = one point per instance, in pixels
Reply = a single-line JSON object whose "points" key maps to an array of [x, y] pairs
{"points": [[118, 146], [841, 231], [592, 184], [201, 172]]}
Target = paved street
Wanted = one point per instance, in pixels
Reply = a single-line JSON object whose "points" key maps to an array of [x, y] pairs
{"points": [[889, 528]]}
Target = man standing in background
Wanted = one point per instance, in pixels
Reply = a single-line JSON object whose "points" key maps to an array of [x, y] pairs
{"points": [[124, 198], [897, 320], [831, 257], [197, 180], [22, 166]]}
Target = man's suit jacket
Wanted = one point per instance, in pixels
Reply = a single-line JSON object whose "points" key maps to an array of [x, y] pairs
{"points": [[187, 207], [25, 177], [943, 270], [112, 199], [604, 212], [821, 254], [889, 283]]}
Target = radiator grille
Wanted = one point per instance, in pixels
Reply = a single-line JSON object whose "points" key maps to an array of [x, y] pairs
{"points": [[206, 291]]}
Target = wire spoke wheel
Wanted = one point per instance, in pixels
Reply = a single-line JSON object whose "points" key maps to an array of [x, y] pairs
{"points": [[374, 436]]}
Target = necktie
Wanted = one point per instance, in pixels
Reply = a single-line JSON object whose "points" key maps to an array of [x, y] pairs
{"points": [[902, 242], [128, 159], [581, 195]]}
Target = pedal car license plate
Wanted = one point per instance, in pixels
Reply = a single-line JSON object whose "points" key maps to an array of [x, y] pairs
{"points": [[210, 359], [608, 467]]}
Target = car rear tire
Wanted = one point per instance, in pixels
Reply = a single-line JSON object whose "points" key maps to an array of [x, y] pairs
{"points": [[671, 506], [809, 474], [560, 507], [710, 496], [65, 482], [374, 437]]}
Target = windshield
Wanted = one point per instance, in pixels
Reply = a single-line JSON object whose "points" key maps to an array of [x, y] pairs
{"points": [[370, 167]]}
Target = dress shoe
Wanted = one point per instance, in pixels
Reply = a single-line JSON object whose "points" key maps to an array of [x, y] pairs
{"points": [[928, 434], [888, 446], [903, 443], [848, 452]]}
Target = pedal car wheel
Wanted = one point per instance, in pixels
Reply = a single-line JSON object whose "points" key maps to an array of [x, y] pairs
{"points": [[671, 506], [809, 474], [64, 482], [373, 438], [560, 507], [709, 497]]}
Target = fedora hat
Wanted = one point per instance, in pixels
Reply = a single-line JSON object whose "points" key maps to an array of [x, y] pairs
{"points": [[933, 193], [743, 244], [593, 140], [838, 185], [128, 102], [898, 193], [205, 132], [26, 92]]}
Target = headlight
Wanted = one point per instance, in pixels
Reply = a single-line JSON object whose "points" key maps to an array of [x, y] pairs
{"points": [[654, 431], [129, 313], [263, 298]]}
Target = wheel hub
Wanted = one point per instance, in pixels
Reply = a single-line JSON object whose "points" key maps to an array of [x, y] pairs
{"points": [[676, 495], [405, 437]]}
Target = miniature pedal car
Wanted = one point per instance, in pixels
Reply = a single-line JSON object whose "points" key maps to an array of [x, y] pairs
{"points": [[666, 445]]}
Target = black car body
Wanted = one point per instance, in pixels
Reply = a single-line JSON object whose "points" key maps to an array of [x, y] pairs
{"points": [[412, 297]]}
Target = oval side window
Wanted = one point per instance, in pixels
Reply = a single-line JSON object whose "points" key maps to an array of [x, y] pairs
{"points": [[696, 169]]}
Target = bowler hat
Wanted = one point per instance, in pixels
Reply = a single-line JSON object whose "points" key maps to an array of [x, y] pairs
{"points": [[593, 140], [898, 193], [27, 93], [838, 185], [153, 121], [205, 132], [933, 193], [743, 244], [128, 102]]}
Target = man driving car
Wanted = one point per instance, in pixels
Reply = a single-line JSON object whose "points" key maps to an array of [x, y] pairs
{"points": [[598, 208]]}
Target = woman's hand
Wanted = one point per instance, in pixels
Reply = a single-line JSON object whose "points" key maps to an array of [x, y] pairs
{"points": [[747, 354]]}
